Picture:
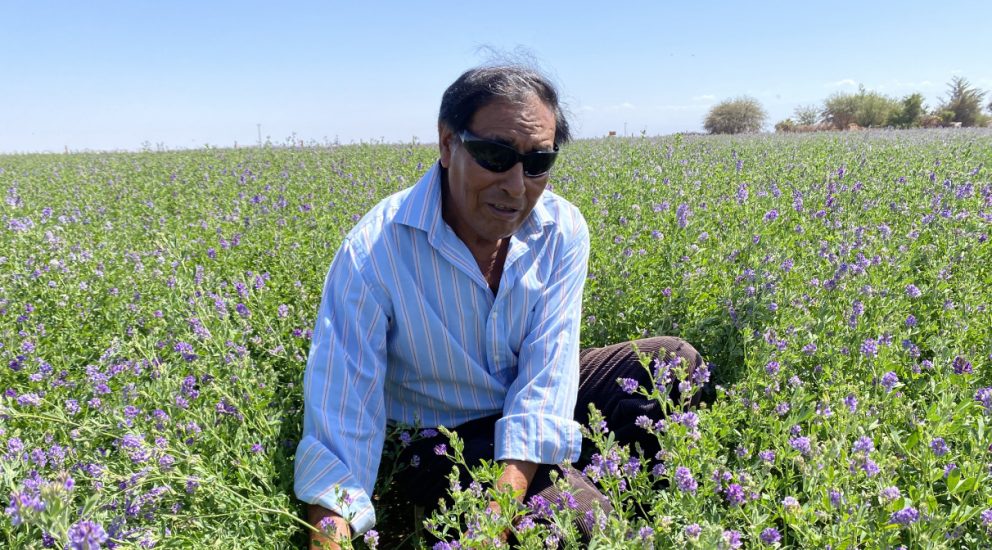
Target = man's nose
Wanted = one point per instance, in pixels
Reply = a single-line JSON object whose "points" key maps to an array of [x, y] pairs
{"points": [[513, 181]]}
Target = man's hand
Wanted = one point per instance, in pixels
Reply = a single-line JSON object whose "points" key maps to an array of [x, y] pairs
{"points": [[336, 525], [517, 475]]}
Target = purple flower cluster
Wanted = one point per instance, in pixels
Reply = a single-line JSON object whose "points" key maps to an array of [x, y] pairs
{"points": [[889, 381], [628, 385], [864, 444], [961, 365], [802, 444], [601, 467], [906, 516], [86, 535], [984, 397], [891, 493], [986, 517], [684, 480], [770, 535], [939, 446]]}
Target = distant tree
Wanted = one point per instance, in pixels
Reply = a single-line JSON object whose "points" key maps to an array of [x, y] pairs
{"points": [[866, 109], [965, 101], [735, 116], [786, 125], [911, 113], [840, 110], [807, 115]]}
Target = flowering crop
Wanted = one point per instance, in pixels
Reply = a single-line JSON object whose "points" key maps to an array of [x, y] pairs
{"points": [[156, 311]]}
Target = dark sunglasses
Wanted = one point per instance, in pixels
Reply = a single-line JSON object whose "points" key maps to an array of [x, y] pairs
{"points": [[498, 157]]}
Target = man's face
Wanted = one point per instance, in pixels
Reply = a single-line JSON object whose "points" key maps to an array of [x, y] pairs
{"points": [[483, 206]]}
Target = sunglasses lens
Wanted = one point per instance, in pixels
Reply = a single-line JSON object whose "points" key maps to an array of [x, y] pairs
{"points": [[539, 163], [492, 156]]}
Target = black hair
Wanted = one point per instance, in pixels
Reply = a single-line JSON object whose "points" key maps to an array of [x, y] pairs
{"points": [[480, 86]]}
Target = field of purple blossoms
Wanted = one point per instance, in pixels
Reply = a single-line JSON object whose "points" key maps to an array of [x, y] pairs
{"points": [[156, 310]]}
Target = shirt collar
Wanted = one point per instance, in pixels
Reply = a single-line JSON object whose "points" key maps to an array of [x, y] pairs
{"points": [[422, 208]]}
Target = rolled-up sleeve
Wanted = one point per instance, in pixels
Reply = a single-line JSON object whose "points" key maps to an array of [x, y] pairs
{"points": [[344, 413], [538, 415]]}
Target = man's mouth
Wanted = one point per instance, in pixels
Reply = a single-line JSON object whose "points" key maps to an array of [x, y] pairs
{"points": [[503, 207]]}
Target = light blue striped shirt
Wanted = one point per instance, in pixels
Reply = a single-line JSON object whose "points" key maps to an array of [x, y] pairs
{"points": [[408, 330]]}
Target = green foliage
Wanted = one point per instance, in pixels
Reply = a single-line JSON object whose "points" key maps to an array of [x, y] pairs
{"points": [[735, 116], [840, 110], [795, 249], [807, 115], [964, 101], [786, 125], [911, 114], [865, 109]]}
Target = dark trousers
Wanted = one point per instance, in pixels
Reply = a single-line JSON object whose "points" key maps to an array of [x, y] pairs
{"points": [[599, 369]]}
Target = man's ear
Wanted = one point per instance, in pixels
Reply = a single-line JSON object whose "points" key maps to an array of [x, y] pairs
{"points": [[446, 140]]}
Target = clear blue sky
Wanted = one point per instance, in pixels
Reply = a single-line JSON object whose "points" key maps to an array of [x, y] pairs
{"points": [[114, 75]]}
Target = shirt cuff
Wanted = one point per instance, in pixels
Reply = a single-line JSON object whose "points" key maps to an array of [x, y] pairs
{"points": [[320, 479], [538, 438]]}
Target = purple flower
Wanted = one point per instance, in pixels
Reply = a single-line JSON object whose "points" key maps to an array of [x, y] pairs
{"points": [[771, 215], [864, 444], [772, 368], [910, 320], [540, 506], [646, 533], [939, 446], [869, 347], [86, 535], [987, 518], [21, 502], [685, 481], [770, 535], [835, 497], [852, 402], [682, 213], [731, 539], [192, 484], [372, 538], [889, 381], [628, 385], [186, 350], [693, 530], [735, 495], [790, 503], [199, 330], [801, 444], [742, 193], [984, 396], [891, 493], [870, 468], [767, 456], [688, 419], [440, 449], [906, 516], [962, 365], [29, 399], [912, 291]]}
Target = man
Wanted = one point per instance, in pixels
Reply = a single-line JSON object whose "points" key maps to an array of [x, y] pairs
{"points": [[457, 302]]}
